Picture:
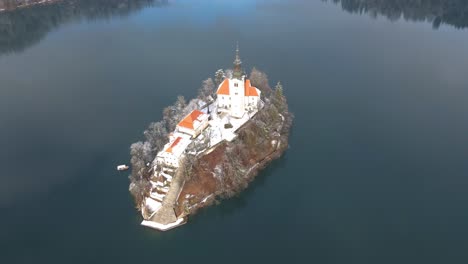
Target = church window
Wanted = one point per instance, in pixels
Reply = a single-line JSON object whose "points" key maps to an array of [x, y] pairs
{"points": [[236, 85]]}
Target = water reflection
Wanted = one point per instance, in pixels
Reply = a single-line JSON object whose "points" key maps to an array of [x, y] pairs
{"points": [[22, 28], [449, 12]]}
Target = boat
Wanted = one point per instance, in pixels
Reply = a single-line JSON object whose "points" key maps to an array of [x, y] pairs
{"points": [[122, 167]]}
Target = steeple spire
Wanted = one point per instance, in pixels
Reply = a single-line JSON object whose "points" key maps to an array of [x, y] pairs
{"points": [[237, 64]]}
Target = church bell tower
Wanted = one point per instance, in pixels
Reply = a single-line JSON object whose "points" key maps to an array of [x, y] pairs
{"points": [[237, 65]]}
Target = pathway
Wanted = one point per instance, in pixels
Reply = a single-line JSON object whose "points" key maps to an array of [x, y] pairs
{"points": [[166, 214]]}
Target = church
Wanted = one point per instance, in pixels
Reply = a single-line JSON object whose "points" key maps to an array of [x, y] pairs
{"points": [[236, 95]]}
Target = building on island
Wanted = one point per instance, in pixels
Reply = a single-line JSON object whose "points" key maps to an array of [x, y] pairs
{"points": [[236, 95], [190, 127], [194, 123], [236, 103], [173, 150]]}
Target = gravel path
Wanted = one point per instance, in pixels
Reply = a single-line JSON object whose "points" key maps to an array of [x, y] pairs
{"points": [[166, 213]]}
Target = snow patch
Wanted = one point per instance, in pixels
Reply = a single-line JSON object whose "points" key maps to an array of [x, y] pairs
{"points": [[162, 227]]}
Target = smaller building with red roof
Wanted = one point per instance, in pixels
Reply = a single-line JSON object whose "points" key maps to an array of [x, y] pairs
{"points": [[193, 124], [172, 151]]}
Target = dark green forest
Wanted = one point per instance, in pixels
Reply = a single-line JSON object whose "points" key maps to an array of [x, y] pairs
{"points": [[24, 27], [437, 12]]}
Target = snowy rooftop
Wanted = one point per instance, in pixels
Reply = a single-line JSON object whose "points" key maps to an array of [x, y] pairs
{"points": [[177, 145]]}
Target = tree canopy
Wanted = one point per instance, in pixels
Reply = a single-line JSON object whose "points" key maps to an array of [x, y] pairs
{"points": [[437, 12], [22, 28]]}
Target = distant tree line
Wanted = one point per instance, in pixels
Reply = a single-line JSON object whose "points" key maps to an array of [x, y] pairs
{"points": [[24, 27], [437, 12]]}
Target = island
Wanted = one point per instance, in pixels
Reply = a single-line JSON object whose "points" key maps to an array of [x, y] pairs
{"points": [[209, 148]]}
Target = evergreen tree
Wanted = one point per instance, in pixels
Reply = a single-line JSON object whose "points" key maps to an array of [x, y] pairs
{"points": [[278, 97], [279, 90]]}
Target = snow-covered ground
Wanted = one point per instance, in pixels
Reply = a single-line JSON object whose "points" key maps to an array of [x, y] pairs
{"points": [[164, 189], [167, 176], [159, 184], [161, 227], [152, 205], [217, 133], [206, 198], [157, 196], [211, 107], [220, 133]]}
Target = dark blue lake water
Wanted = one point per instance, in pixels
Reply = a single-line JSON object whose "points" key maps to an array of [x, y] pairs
{"points": [[376, 172]]}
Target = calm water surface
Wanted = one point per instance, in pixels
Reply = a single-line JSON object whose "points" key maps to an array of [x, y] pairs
{"points": [[377, 166]]}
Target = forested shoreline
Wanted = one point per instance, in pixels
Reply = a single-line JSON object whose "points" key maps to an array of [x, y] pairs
{"points": [[24, 27], [437, 12]]}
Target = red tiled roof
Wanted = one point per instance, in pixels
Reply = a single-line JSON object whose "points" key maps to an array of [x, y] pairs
{"points": [[249, 89], [176, 141], [223, 88], [187, 122]]}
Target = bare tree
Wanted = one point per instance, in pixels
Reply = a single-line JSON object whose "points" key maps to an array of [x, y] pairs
{"points": [[206, 90], [139, 190], [180, 103], [192, 105], [156, 135], [139, 178], [138, 154], [219, 77], [168, 118], [260, 80], [228, 73], [188, 163]]}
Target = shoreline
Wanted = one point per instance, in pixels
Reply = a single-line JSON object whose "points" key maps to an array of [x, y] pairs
{"points": [[31, 4], [175, 209], [210, 148], [252, 172], [164, 227]]}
